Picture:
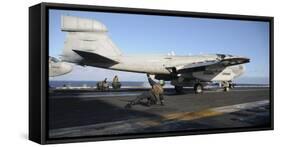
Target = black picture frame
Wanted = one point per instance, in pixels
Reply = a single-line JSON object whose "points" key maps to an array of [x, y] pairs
{"points": [[38, 69]]}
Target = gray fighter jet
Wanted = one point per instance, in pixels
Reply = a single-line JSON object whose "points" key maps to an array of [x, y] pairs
{"points": [[87, 43]]}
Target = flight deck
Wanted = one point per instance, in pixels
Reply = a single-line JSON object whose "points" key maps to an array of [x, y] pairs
{"points": [[89, 112]]}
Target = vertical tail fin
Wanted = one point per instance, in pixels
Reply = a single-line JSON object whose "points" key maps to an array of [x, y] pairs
{"points": [[87, 35]]}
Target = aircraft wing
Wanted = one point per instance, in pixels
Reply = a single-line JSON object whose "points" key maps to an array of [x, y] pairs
{"points": [[211, 65]]}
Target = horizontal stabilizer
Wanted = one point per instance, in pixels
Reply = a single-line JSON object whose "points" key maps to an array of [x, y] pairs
{"points": [[95, 58], [76, 24]]}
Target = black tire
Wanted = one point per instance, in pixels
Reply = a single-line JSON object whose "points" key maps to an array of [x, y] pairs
{"points": [[179, 89], [226, 89], [198, 88]]}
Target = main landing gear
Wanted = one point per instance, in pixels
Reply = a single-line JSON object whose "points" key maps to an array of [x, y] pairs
{"points": [[227, 85], [198, 88]]}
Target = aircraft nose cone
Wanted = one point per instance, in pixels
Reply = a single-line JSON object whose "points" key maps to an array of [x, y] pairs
{"points": [[247, 60]]}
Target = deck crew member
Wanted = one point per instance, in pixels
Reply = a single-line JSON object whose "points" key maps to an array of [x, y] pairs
{"points": [[154, 95]]}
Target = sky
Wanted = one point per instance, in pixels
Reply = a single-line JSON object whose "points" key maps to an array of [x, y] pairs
{"points": [[148, 35]]}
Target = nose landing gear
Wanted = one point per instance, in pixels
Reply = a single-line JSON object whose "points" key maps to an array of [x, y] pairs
{"points": [[198, 88]]}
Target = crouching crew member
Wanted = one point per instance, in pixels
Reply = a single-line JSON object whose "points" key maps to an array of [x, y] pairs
{"points": [[152, 97]]}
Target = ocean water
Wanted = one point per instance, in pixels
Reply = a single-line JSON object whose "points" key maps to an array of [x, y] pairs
{"points": [[91, 83]]}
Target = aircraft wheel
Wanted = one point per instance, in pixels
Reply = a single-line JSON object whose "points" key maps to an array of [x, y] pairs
{"points": [[198, 88], [226, 89], [231, 85], [178, 89]]}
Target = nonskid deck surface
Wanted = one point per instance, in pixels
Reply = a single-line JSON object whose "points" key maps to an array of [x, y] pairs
{"points": [[75, 113]]}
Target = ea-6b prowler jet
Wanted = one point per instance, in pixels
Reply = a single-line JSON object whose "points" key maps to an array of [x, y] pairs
{"points": [[87, 43]]}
